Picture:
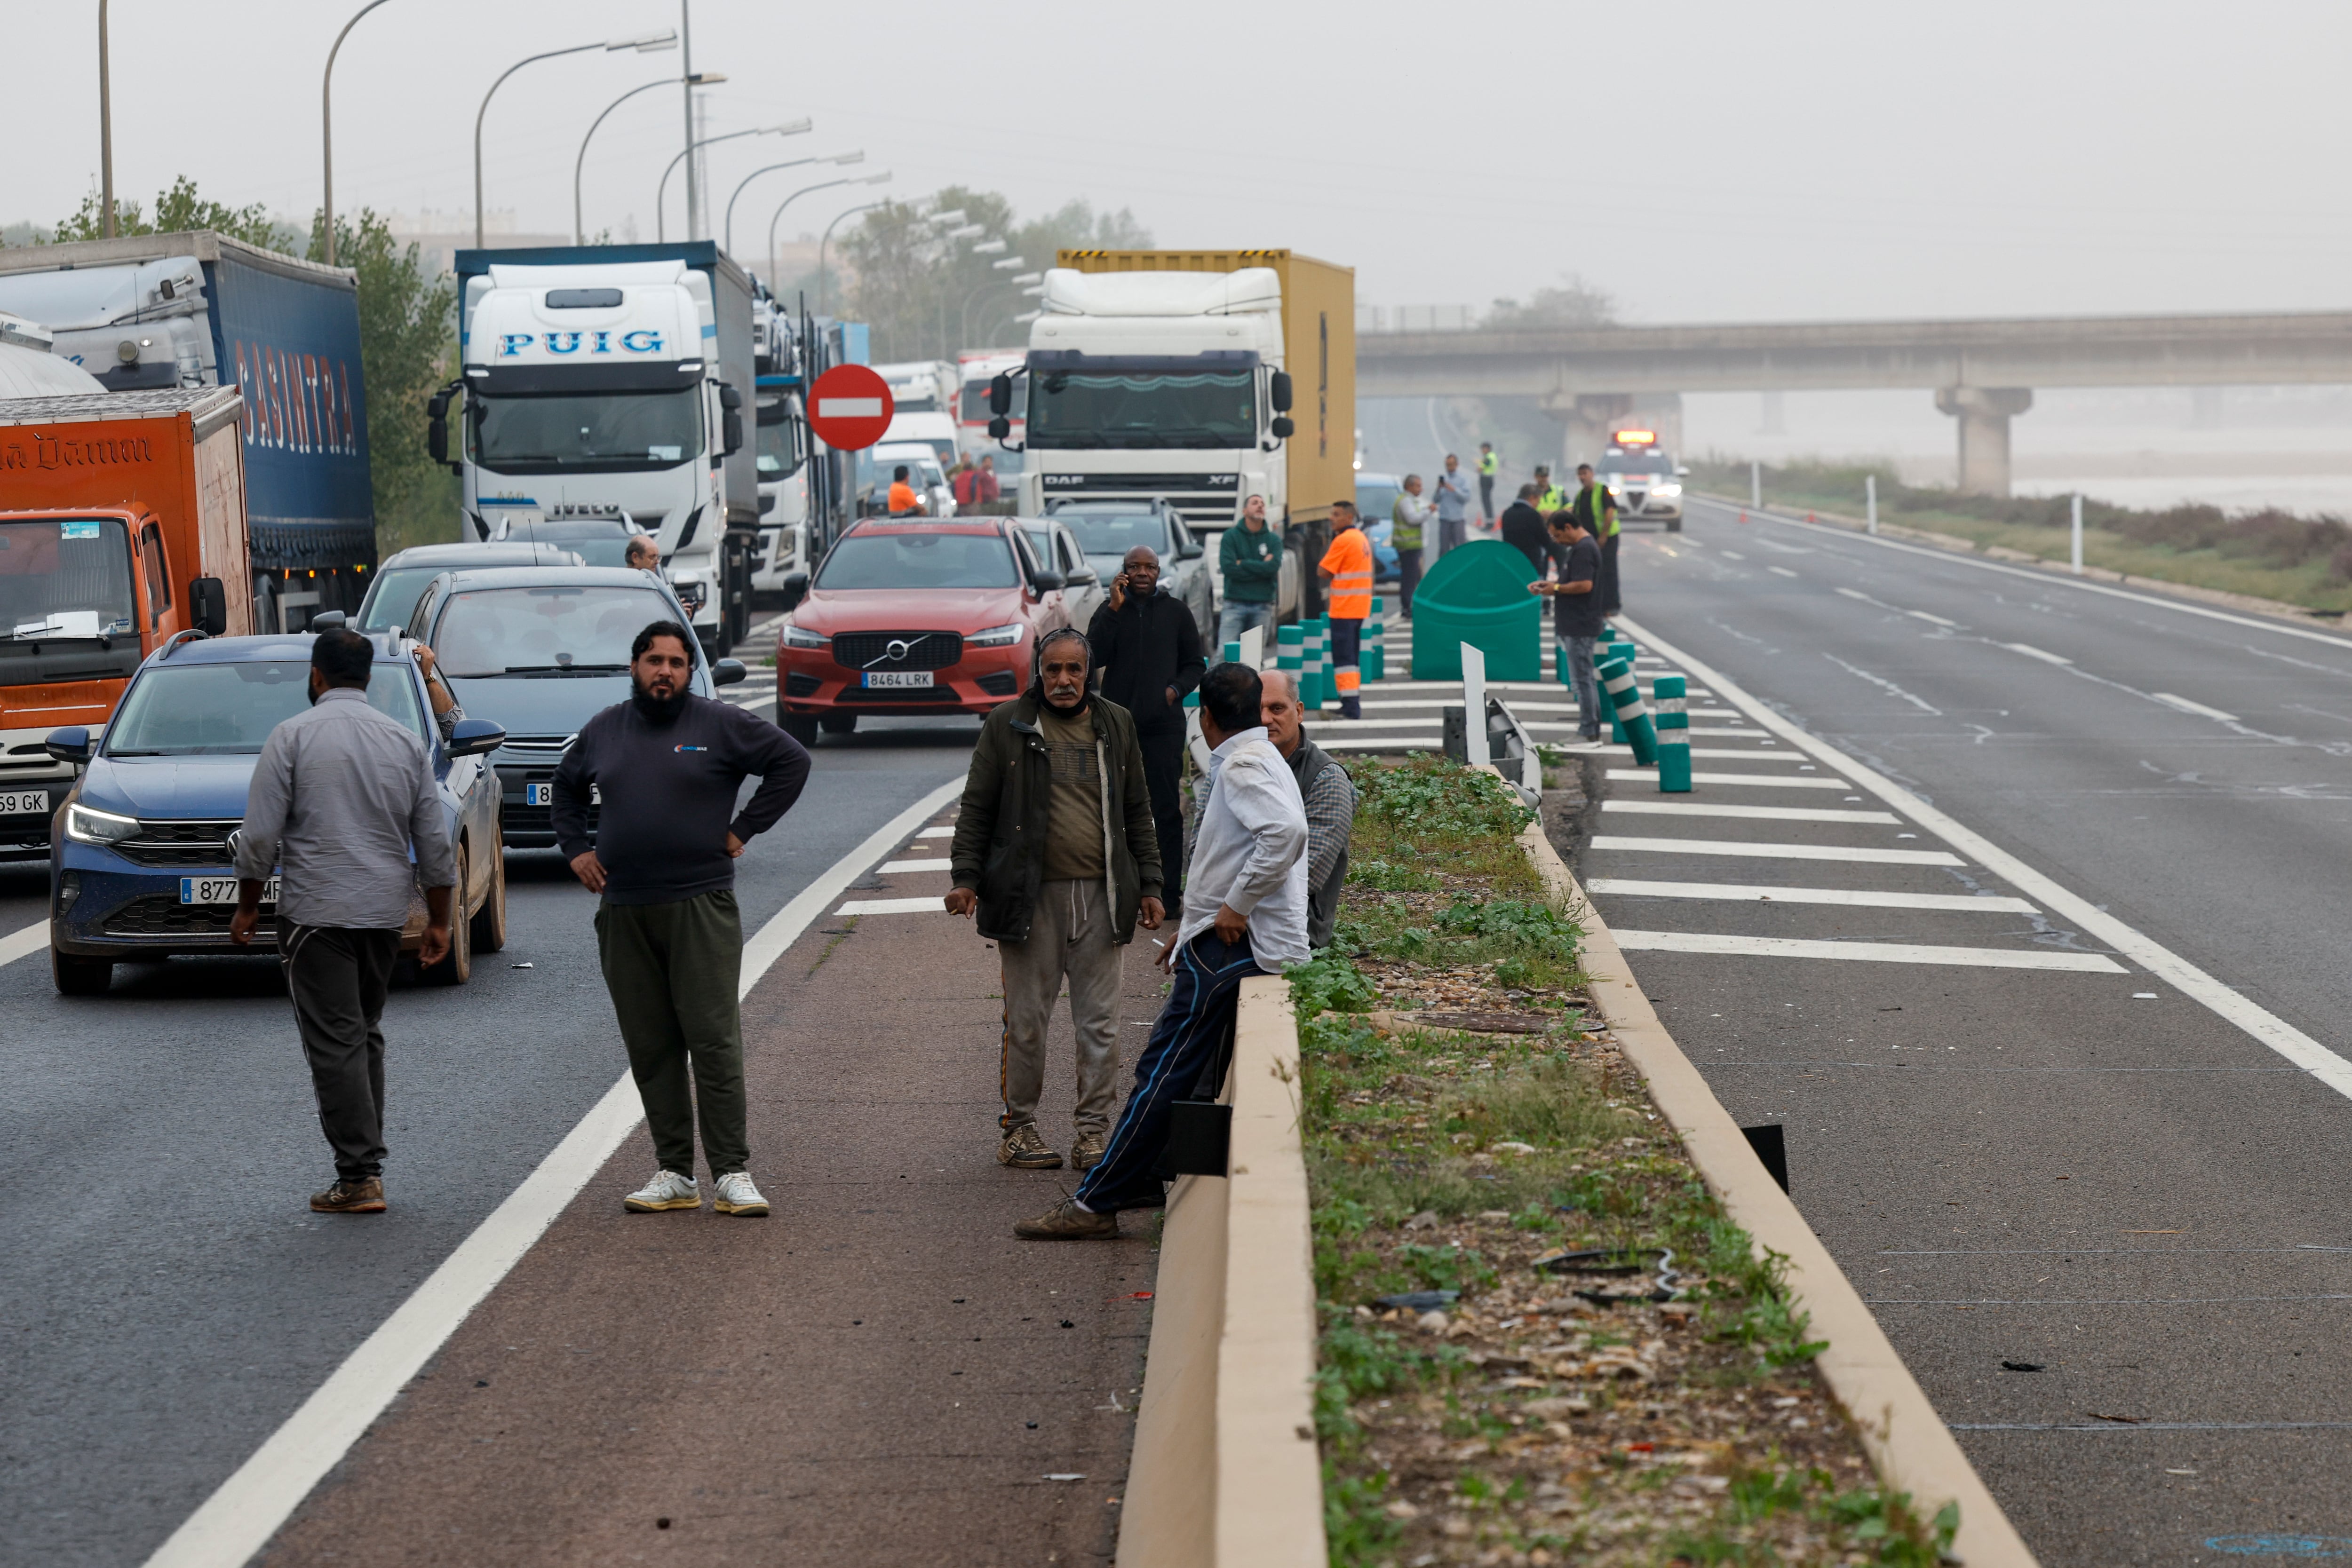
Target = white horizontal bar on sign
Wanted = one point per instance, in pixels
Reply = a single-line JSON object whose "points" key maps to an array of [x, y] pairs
{"points": [[1868, 952], [1763, 778], [1747, 892], [889, 866], [1767, 813], [849, 408], [934, 904], [1776, 852]]}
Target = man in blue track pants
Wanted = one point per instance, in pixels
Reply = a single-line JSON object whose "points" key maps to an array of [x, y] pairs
{"points": [[1245, 914]]}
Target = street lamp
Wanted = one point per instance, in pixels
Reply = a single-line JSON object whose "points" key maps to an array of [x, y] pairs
{"points": [[1009, 263], [105, 122], [954, 217], [326, 125], [699, 78], [661, 196], [989, 247], [844, 158], [1026, 277], [881, 179], [827, 240], [651, 43], [966, 232]]}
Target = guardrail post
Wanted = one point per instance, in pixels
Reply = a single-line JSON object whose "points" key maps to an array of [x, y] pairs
{"points": [[2078, 533], [1756, 484], [1633, 718], [1870, 495], [1671, 693]]}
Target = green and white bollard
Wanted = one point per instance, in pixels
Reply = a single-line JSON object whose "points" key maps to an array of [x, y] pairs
{"points": [[1671, 694], [1232, 653], [1373, 659], [1633, 718], [1603, 664], [1315, 667], [1289, 647]]}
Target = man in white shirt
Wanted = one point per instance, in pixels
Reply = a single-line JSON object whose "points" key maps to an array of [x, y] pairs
{"points": [[1245, 914]]}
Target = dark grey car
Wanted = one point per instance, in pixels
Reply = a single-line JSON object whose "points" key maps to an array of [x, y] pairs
{"points": [[1107, 530], [393, 593]]}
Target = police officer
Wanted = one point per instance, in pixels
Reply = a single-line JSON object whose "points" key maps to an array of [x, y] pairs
{"points": [[1596, 514], [1488, 464]]}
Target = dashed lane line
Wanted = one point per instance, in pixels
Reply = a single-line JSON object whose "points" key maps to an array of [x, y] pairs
{"points": [[238, 1519], [2260, 1022], [1747, 892], [1775, 852], [940, 865], [939, 832], [32, 939], [1766, 813], [1770, 780], [1867, 952], [2030, 651], [935, 903], [1780, 571], [2198, 708]]}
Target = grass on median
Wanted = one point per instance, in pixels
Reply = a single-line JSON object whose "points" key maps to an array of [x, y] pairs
{"points": [[1520, 1421]]}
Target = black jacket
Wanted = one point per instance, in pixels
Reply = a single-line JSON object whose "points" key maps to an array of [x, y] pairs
{"points": [[1523, 529], [1000, 835], [1142, 648]]}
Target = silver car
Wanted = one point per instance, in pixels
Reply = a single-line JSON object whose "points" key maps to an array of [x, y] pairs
{"points": [[1058, 550], [1107, 530]]}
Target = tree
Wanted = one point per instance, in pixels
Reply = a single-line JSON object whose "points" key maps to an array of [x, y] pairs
{"points": [[178, 211], [1572, 303]]}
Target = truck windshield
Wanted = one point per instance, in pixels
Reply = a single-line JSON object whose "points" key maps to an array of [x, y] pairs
{"points": [[64, 566], [1076, 409], [904, 561], [554, 630], [228, 710], [601, 432]]}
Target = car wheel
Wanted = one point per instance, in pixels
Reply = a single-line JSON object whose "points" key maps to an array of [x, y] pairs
{"points": [[837, 722], [458, 966], [800, 727], [1675, 524], [80, 976], [489, 925]]}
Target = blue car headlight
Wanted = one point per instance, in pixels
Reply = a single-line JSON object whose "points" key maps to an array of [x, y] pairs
{"points": [[87, 825]]}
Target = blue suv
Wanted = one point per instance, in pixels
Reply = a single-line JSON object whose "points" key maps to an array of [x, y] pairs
{"points": [[141, 865]]}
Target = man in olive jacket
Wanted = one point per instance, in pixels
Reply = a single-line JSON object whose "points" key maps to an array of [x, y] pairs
{"points": [[1055, 851]]}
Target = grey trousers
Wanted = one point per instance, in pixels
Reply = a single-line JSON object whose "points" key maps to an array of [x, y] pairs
{"points": [[337, 976], [673, 971], [1069, 937], [1586, 679]]}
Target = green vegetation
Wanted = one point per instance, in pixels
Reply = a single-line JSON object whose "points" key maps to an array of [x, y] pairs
{"points": [[2268, 553]]}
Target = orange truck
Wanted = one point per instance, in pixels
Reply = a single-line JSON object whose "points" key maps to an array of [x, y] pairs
{"points": [[122, 524]]}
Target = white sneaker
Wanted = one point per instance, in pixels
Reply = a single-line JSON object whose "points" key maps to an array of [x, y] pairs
{"points": [[667, 1190], [734, 1193]]}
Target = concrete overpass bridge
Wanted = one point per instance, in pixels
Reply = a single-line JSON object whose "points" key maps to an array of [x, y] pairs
{"points": [[1983, 373]]}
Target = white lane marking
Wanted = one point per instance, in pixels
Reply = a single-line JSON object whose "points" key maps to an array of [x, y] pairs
{"points": [[1775, 851], [1728, 753], [32, 939], [942, 864], [2199, 709], [2030, 651], [1761, 779], [1740, 892], [1780, 571], [1767, 814], [1868, 952], [2258, 1022], [1857, 593], [1882, 684], [238, 1519], [935, 905], [1379, 742], [1733, 555], [1931, 620], [946, 832]]}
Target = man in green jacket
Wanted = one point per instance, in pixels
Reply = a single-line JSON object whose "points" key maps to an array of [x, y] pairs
{"points": [[1056, 854], [1250, 558]]}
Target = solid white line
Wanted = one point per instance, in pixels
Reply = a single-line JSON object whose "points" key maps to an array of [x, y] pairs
{"points": [[947, 832], [1740, 892], [1776, 852], [1868, 952], [1780, 571], [32, 939], [934, 904], [2030, 651], [1764, 778], [2199, 709], [2274, 1031], [1931, 620], [1767, 814], [238, 1520], [1857, 593], [940, 864]]}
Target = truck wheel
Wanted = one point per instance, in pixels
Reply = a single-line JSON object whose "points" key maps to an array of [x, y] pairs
{"points": [[837, 722], [80, 976], [490, 923], [800, 727], [458, 966]]}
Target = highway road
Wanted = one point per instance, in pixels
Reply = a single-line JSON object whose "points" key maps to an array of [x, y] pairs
{"points": [[2085, 1159], [170, 1299]]}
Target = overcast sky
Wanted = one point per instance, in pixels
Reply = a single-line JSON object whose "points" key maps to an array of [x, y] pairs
{"points": [[1703, 162]]}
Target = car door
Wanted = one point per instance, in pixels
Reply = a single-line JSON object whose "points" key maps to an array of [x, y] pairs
{"points": [[1048, 610], [1082, 602]]}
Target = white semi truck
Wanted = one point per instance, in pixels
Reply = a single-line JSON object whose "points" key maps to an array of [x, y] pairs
{"points": [[597, 378]]}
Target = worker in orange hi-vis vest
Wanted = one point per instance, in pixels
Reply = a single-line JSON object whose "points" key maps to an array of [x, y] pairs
{"points": [[1347, 571]]}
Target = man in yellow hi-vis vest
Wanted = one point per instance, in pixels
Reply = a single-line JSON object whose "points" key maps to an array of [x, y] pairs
{"points": [[1596, 514], [1488, 464], [1347, 572]]}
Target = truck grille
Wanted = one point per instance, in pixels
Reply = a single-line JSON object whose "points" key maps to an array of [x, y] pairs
{"points": [[923, 650], [178, 844], [162, 914]]}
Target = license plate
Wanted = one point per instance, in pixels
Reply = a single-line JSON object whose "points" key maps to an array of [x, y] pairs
{"points": [[220, 890], [544, 794], [19, 802], [897, 678]]}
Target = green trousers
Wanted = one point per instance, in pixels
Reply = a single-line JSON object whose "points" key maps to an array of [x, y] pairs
{"points": [[673, 971]]}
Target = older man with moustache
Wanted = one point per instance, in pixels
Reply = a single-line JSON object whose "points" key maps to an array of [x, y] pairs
{"points": [[1328, 793]]}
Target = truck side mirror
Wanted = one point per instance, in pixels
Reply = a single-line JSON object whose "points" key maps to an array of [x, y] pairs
{"points": [[730, 432], [1283, 427], [1000, 396], [208, 605], [796, 586], [1279, 390], [436, 435], [999, 428]]}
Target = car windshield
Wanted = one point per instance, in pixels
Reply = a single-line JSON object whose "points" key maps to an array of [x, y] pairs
{"points": [[604, 432], [556, 630], [904, 561], [1116, 533], [394, 597], [1142, 408], [228, 710], [57, 567], [1376, 499], [595, 543], [1650, 462]]}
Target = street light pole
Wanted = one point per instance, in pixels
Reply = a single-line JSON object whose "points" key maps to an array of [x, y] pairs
{"points": [[327, 121], [105, 124], [686, 35], [857, 157], [827, 240], [579, 229], [661, 193], [881, 179], [645, 46]]}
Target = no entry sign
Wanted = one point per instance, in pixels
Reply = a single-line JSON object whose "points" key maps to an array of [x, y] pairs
{"points": [[850, 408]]}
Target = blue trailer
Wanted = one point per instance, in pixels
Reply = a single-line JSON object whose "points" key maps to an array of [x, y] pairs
{"points": [[201, 309]]}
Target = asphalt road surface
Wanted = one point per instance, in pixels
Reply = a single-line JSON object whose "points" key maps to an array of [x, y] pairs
{"points": [[168, 1296], [2102, 1221]]}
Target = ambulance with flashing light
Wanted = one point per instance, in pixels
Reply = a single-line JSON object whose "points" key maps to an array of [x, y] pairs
{"points": [[1643, 480]]}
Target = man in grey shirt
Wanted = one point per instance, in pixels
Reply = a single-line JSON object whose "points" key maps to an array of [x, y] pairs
{"points": [[1452, 505], [339, 796]]}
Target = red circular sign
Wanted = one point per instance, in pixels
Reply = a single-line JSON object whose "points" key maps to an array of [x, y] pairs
{"points": [[850, 408]]}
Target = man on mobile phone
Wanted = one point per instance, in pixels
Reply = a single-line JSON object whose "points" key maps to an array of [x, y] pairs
{"points": [[1149, 651]]}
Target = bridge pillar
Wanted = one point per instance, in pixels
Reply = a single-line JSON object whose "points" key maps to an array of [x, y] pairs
{"points": [[1984, 415], [1590, 418]]}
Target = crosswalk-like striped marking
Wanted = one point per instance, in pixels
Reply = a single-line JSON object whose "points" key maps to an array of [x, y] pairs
{"points": [[940, 864], [1867, 952], [1851, 856], [946, 832], [1767, 813], [1865, 898], [1650, 775], [934, 904]]}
